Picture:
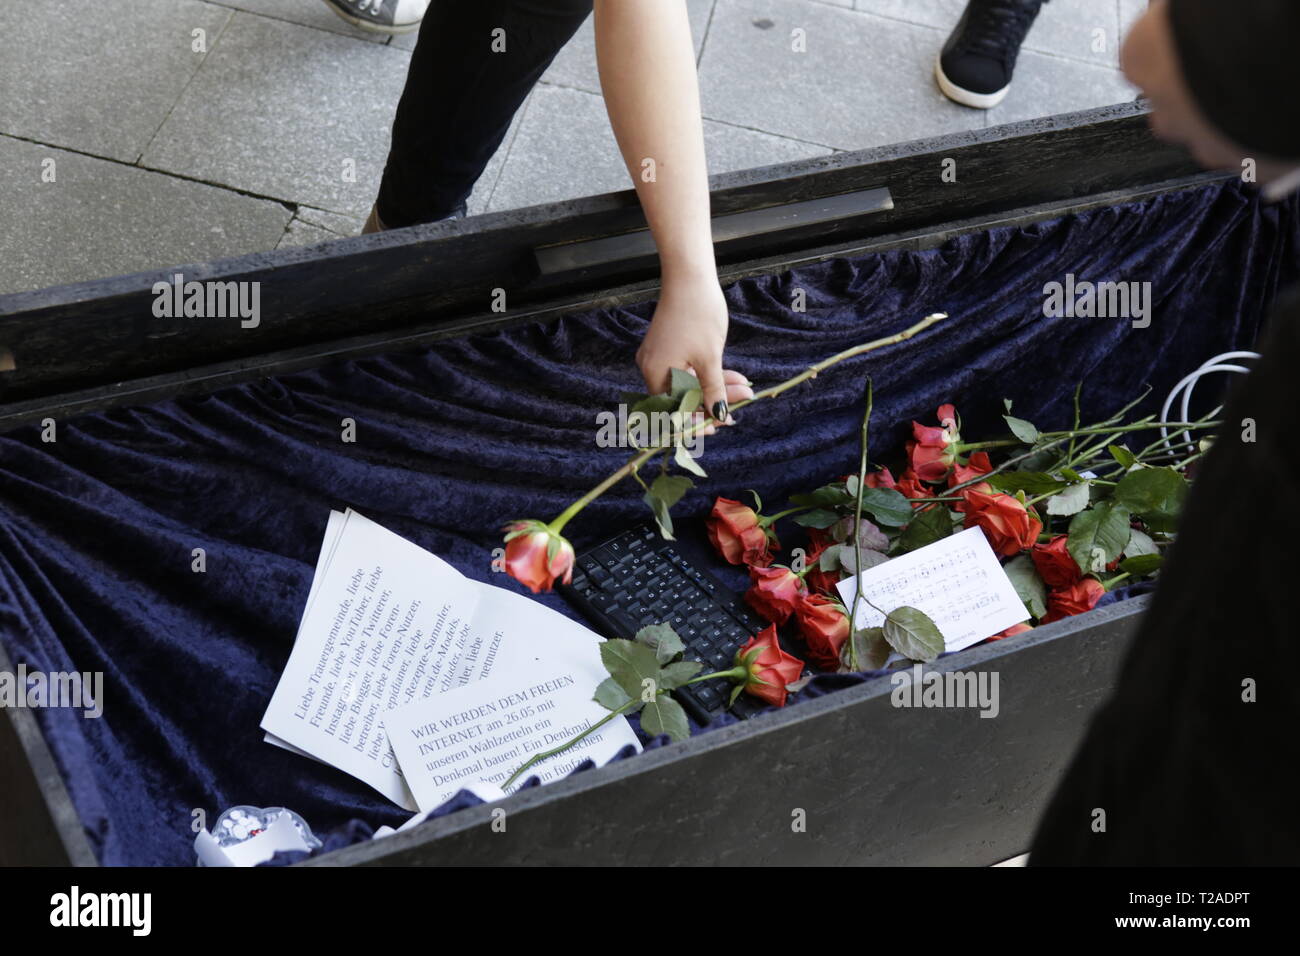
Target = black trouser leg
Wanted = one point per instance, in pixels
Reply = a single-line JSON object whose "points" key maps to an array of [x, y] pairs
{"points": [[461, 94]]}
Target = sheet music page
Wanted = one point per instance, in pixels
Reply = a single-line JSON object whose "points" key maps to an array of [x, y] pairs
{"points": [[957, 581]]}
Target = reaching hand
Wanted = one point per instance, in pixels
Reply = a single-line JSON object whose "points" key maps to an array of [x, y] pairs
{"points": [[689, 331]]}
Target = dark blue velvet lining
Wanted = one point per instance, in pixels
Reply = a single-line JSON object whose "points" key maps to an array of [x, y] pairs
{"points": [[96, 530]]}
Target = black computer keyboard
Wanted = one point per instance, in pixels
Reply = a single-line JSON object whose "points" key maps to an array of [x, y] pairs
{"points": [[637, 579]]}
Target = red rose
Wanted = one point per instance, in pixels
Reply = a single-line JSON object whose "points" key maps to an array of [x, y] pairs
{"points": [[1012, 631], [880, 479], [769, 669], [815, 578], [1056, 566], [1079, 597], [910, 486], [820, 538], [824, 627], [527, 560], [930, 462], [1007, 523], [977, 465], [736, 534], [932, 451], [775, 593]]}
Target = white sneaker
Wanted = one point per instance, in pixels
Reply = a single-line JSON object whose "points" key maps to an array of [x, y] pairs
{"points": [[381, 16]]}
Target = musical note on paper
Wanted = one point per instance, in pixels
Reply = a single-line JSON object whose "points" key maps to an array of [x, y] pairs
{"points": [[957, 581]]}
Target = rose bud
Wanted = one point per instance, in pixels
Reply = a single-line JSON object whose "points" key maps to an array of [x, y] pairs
{"points": [[932, 451], [1076, 599], [824, 626], [1006, 522], [769, 670], [775, 593], [738, 534], [1012, 631], [536, 556], [1056, 566]]}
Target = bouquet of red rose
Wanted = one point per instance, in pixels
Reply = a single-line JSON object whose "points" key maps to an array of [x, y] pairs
{"points": [[1072, 514]]}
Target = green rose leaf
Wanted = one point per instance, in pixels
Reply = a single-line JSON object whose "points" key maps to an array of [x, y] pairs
{"points": [[1029, 586], [871, 647], [1098, 535], [817, 518], [690, 402], [651, 405], [686, 461], [829, 560], [613, 697], [1070, 501], [926, 527], [661, 639], [887, 506], [682, 382], [1022, 429], [1030, 482], [1141, 564], [677, 674], [666, 491], [848, 558], [663, 715], [827, 496], [869, 536], [630, 663], [1122, 455], [1140, 543], [1154, 494], [912, 633]]}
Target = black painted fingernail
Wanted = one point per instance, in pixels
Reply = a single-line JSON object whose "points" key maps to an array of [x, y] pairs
{"points": [[720, 411]]}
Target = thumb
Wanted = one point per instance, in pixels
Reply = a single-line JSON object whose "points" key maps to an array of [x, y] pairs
{"points": [[714, 387]]}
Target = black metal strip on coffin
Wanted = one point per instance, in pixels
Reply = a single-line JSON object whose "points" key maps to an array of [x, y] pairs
{"points": [[635, 246]]}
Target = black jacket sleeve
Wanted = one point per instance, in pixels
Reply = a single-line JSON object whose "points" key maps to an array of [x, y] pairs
{"points": [[1192, 761]]}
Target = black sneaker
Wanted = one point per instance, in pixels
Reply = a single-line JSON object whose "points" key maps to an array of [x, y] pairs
{"points": [[975, 66], [381, 16]]}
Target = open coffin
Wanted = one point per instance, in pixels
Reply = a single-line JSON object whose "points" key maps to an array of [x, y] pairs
{"points": [[97, 531]]}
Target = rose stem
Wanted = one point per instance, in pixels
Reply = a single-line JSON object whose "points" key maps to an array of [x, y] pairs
{"points": [[811, 372]]}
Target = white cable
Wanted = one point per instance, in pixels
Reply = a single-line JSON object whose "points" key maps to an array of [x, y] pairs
{"points": [[1188, 384]]}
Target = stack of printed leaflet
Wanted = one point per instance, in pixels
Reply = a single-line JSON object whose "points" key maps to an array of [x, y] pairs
{"points": [[421, 682]]}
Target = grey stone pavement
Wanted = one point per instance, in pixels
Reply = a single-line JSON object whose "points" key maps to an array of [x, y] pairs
{"points": [[138, 134]]}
